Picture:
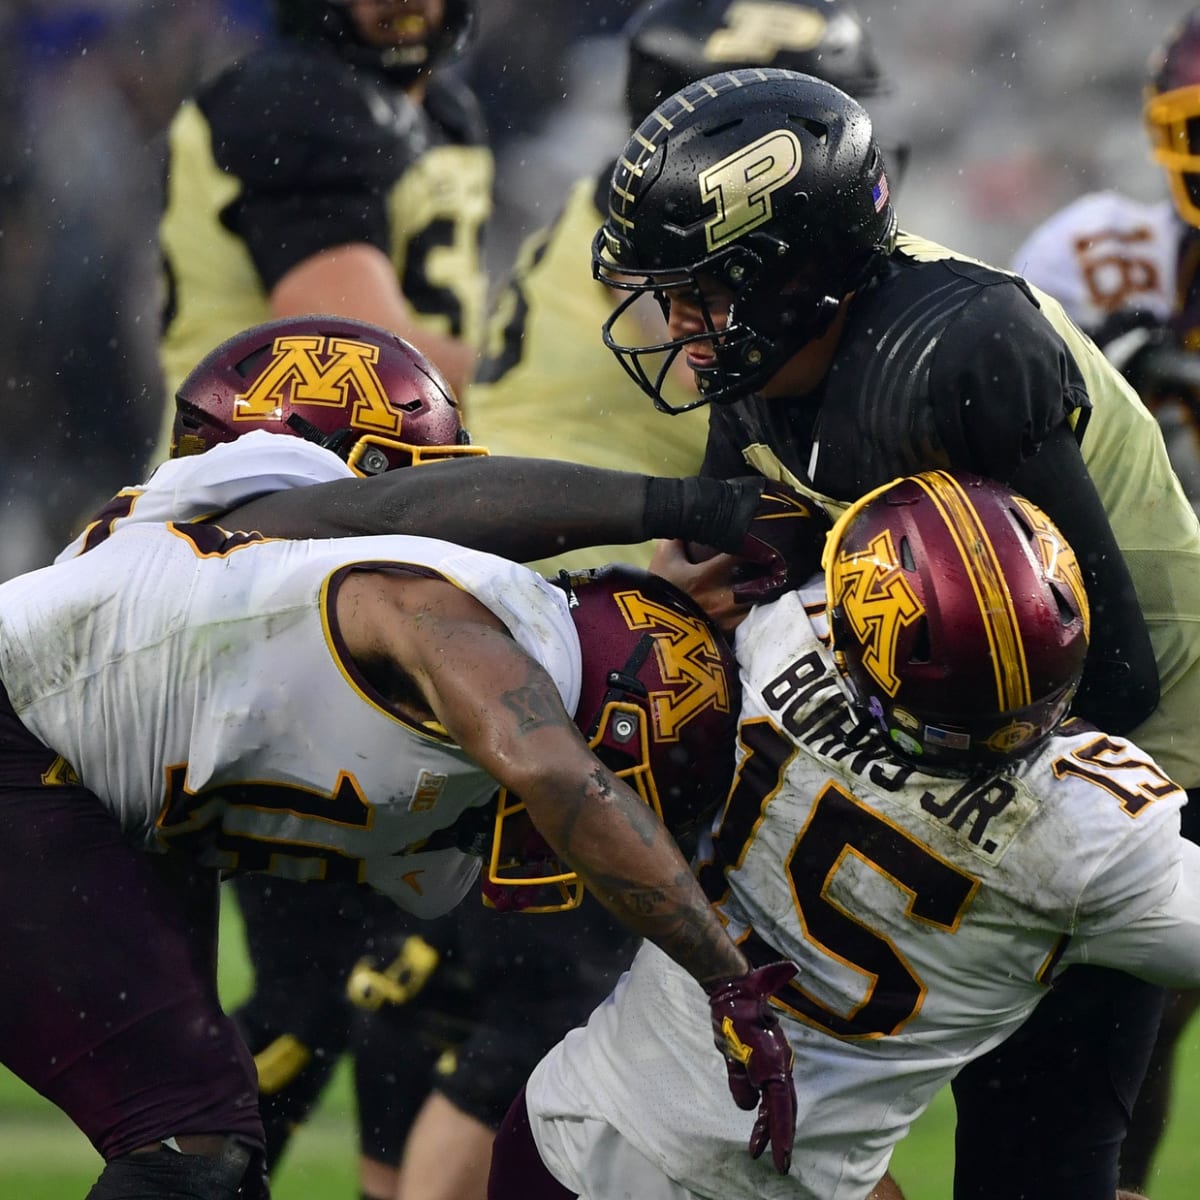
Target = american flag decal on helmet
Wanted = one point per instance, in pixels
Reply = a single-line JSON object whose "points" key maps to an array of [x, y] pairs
{"points": [[879, 193]]}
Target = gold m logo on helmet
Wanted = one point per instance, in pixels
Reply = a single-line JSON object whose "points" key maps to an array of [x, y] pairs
{"points": [[1057, 558], [688, 662], [742, 185], [878, 603], [756, 30], [310, 369]]}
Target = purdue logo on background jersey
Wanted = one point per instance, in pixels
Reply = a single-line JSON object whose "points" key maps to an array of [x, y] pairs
{"points": [[334, 371], [688, 661]]}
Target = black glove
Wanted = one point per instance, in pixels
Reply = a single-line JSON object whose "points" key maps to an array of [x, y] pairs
{"points": [[758, 1056], [777, 531]]}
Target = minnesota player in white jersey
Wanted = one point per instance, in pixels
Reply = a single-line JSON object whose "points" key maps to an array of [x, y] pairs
{"points": [[916, 827], [329, 709]]}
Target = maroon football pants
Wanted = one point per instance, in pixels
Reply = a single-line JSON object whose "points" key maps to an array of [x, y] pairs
{"points": [[108, 1001]]}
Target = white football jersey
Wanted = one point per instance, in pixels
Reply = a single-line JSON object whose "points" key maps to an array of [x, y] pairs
{"points": [[1105, 253], [200, 486], [926, 914], [196, 682]]}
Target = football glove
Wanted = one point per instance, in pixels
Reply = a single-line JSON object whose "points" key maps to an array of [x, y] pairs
{"points": [[370, 987], [758, 1057]]}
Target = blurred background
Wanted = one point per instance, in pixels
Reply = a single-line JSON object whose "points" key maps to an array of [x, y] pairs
{"points": [[1010, 108]]}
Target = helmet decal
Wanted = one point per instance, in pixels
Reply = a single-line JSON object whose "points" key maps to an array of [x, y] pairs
{"points": [[687, 656], [878, 602], [991, 589], [1057, 558], [319, 370], [741, 185], [958, 617], [757, 31]]}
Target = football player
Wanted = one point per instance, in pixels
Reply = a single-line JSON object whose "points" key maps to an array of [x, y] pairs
{"points": [[1128, 273], [545, 386], [836, 354], [338, 710], [917, 827], [338, 170], [354, 402]]}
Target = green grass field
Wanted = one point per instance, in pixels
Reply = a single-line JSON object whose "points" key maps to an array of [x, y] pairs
{"points": [[43, 1157]]}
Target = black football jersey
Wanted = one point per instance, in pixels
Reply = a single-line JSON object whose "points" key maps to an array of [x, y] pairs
{"points": [[921, 379]]}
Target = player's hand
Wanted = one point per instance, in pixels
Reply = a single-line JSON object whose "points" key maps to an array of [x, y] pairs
{"points": [[757, 1056], [705, 575], [782, 544]]}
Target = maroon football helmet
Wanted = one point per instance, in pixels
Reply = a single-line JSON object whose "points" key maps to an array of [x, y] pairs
{"points": [[959, 618], [354, 388], [658, 706], [1172, 115]]}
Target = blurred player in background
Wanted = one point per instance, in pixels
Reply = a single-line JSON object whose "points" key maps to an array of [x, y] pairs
{"points": [[918, 827], [545, 384], [1128, 273], [337, 171], [340, 170]]}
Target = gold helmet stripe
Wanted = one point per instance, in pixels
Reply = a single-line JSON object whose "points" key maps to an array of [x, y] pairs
{"points": [[990, 587]]}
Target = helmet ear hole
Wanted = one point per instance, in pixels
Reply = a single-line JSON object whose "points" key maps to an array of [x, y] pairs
{"points": [[922, 648]]}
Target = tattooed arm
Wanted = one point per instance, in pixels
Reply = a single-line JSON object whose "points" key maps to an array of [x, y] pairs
{"points": [[504, 710]]}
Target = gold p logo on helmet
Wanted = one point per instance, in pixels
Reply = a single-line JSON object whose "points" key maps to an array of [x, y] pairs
{"points": [[742, 185], [333, 371]]}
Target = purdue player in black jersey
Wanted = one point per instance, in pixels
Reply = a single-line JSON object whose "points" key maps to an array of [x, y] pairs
{"points": [[336, 171], [545, 385], [754, 208]]}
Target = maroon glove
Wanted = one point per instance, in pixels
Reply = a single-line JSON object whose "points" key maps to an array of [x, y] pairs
{"points": [[785, 537], [757, 1056]]}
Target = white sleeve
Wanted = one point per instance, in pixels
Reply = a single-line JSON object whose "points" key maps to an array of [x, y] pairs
{"points": [[205, 485], [1162, 945]]}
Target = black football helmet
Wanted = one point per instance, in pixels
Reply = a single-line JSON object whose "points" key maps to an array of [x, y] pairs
{"points": [[658, 705], [770, 184], [354, 388], [959, 618], [328, 19], [1172, 115], [675, 42]]}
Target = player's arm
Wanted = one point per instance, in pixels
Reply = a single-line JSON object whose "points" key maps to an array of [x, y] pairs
{"points": [[1004, 385], [1164, 945], [502, 708], [520, 508], [1120, 685], [358, 280]]}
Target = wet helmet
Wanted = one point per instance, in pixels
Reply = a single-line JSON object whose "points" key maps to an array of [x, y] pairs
{"points": [[768, 183], [959, 618], [356, 389], [658, 706], [330, 20], [675, 42]]}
